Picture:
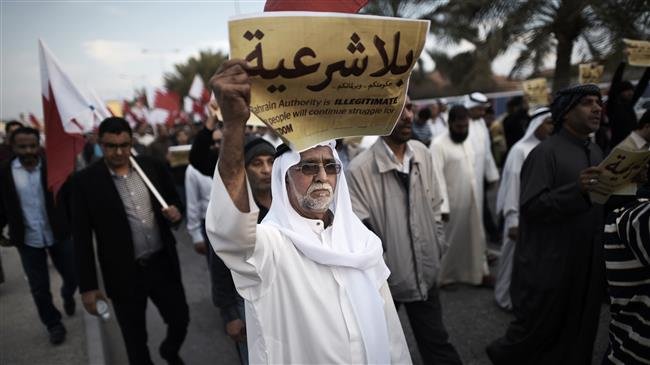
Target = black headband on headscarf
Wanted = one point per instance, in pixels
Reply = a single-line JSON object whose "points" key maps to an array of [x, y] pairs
{"points": [[282, 149], [567, 98]]}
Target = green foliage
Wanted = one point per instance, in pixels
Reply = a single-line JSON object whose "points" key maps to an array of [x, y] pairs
{"points": [[205, 65], [450, 24], [591, 28], [594, 29]]}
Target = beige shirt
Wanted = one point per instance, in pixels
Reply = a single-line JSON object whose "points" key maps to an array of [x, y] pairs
{"points": [[408, 222]]}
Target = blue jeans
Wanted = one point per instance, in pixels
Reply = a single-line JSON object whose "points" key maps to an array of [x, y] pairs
{"points": [[34, 262]]}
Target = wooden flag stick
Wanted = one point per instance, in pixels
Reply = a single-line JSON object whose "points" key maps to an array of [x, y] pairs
{"points": [[148, 183]]}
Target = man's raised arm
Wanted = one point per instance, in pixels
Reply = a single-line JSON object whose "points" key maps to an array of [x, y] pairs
{"points": [[231, 88]]}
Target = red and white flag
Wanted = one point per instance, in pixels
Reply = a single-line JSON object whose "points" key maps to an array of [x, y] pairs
{"points": [[198, 90], [35, 122], [67, 114], [102, 111], [337, 6], [166, 101]]}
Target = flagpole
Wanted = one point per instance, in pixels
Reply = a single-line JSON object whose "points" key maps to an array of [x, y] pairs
{"points": [[147, 182]]}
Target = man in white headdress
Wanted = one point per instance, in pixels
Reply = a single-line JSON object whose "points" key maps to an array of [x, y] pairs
{"points": [[311, 273], [479, 135], [540, 127], [484, 165]]}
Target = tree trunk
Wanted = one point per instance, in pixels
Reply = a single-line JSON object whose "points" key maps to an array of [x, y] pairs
{"points": [[562, 76]]}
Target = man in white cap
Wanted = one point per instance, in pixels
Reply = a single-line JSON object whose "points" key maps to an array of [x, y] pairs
{"points": [[485, 168], [311, 274]]}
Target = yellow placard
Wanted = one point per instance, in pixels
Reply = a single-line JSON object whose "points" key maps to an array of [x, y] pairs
{"points": [[320, 76], [536, 91], [590, 73], [253, 120], [619, 169], [638, 52], [115, 106], [179, 155]]}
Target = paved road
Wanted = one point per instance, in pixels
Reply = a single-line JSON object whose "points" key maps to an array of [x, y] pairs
{"points": [[471, 317], [23, 339]]}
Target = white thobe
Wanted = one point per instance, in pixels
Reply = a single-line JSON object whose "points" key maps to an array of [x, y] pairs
{"points": [[485, 169], [197, 194], [438, 127], [297, 311], [508, 207], [464, 261]]}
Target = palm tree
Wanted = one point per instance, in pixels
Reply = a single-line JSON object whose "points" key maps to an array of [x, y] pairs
{"points": [[467, 71], [593, 28], [205, 65]]}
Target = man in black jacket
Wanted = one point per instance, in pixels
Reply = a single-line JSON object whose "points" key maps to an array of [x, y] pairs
{"points": [[37, 226], [135, 246]]}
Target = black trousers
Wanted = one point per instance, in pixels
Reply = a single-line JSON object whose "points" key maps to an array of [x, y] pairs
{"points": [[34, 261], [157, 279], [425, 318]]}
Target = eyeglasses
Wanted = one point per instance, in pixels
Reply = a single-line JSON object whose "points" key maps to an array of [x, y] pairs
{"points": [[114, 146], [311, 169]]}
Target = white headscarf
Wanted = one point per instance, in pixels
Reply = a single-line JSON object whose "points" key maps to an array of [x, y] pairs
{"points": [[517, 156], [356, 253], [475, 99]]}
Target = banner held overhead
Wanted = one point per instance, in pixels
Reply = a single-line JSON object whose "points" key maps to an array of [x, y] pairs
{"points": [[321, 76]]}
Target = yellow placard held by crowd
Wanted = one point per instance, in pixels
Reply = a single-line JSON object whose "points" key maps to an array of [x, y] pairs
{"points": [[115, 107], [536, 91], [590, 73], [320, 76], [638, 52], [619, 169], [179, 155]]}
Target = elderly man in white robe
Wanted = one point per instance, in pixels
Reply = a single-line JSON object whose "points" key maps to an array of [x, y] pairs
{"points": [[311, 273], [540, 127], [457, 155]]}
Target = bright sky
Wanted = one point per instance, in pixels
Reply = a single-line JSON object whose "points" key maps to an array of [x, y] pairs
{"points": [[114, 46]]}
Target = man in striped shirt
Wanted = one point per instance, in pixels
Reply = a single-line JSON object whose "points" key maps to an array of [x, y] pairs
{"points": [[627, 258]]}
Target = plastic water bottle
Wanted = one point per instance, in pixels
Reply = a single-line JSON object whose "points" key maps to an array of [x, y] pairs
{"points": [[102, 310]]}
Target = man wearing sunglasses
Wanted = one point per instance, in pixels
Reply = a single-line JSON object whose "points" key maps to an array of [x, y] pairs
{"points": [[136, 249], [311, 274]]}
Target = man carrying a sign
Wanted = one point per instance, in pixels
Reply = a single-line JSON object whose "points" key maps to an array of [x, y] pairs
{"points": [[311, 273], [558, 273]]}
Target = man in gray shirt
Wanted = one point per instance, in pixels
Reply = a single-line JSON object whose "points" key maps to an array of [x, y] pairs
{"points": [[135, 246], [395, 190]]}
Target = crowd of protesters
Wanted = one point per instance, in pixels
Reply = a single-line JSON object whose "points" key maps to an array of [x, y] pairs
{"points": [[273, 223]]}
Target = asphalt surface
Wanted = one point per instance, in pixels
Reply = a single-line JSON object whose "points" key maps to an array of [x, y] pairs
{"points": [[471, 317], [23, 338]]}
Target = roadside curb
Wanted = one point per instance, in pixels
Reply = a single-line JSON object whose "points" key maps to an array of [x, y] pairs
{"points": [[95, 342]]}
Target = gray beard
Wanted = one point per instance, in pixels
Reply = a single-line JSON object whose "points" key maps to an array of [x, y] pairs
{"points": [[314, 204]]}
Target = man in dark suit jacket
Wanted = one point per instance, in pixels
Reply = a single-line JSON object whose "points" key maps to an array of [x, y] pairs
{"points": [[37, 226], [135, 246]]}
